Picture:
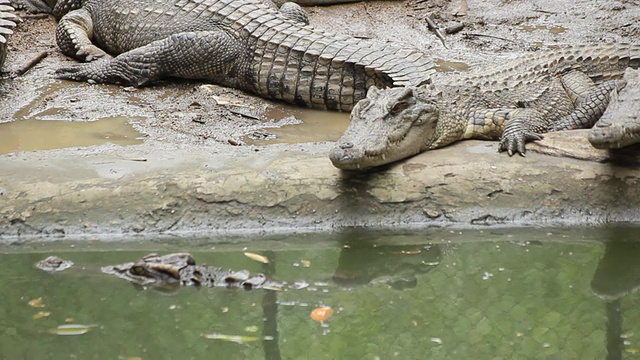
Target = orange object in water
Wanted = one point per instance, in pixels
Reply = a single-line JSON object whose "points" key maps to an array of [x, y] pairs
{"points": [[322, 313]]}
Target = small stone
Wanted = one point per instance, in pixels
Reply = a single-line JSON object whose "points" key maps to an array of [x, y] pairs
{"points": [[431, 214]]}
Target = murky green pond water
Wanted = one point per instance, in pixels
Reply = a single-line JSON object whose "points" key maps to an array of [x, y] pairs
{"points": [[443, 294]]}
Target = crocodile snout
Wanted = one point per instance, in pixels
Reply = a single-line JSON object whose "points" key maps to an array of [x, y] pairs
{"points": [[344, 156]]}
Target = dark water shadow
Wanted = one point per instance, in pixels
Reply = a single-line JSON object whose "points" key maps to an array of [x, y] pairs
{"points": [[617, 275]]}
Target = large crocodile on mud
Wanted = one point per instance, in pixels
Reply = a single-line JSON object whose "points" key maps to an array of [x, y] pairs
{"points": [[245, 44], [555, 90], [177, 269], [7, 21]]}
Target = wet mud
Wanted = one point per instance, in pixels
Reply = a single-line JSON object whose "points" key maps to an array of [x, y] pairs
{"points": [[192, 130]]}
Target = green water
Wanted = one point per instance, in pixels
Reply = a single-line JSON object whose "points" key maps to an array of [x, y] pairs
{"points": [[470, 294]]}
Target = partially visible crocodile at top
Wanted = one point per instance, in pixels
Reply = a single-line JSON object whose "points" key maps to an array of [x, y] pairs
{"points": [[554, 90], [620, 124], [245, 44], [177, 269], [7, 21], [58, 10]]}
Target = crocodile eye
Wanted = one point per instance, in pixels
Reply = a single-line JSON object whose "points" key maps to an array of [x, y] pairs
{"points": [[137, 270], [362, 105], [399, 107]]}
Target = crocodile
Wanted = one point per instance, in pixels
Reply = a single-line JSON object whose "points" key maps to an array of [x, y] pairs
{"points": [[172, 270], [244, 44], [619, 126], [560, 89], [54, 263], [7, 21], [58, 9]]}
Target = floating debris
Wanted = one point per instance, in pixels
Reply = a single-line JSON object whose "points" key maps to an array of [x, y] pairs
{"points": [[238, 339], [436, 340], [300, 284], [252, 328], [321, 314], [257, 257], [72, 329], [40, 315], [36, 303]]}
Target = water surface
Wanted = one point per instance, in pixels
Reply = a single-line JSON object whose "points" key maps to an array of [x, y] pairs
{"points": [[442, 294]]}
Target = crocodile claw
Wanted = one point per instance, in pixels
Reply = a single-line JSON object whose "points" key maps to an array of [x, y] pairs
{"points": [[515, 142]]}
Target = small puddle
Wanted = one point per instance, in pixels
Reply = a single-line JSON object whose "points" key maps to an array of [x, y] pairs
{"points": [[32, 134], [308, 126], [555, 30], [449, 66]]}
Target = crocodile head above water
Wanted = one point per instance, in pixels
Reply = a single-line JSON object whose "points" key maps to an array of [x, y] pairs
{"points": [[167, 272], [388, 125], [153, 269]]}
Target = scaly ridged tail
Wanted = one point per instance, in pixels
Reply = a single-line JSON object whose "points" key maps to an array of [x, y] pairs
{"points": [[600, 62]]}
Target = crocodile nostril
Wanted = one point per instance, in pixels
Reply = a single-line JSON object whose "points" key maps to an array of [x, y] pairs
{"points": [[347, 145]]}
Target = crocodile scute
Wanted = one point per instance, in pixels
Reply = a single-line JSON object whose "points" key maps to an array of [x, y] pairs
{"points": [[7, 22]]}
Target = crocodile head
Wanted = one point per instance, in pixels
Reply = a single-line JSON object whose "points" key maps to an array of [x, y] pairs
{"points": [[54, 263], [154, 270], [388, 125]]}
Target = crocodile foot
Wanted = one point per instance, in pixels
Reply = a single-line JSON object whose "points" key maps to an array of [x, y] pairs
{"points": [[102, 71], [514, 142]]}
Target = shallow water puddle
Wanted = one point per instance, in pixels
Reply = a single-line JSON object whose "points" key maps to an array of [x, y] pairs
{"points": [[32, 134], [308, 126], [555, 30], [448, 66]]}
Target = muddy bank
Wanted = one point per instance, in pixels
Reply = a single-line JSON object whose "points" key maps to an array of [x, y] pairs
{"points": [[209, 161], [184, 189]]}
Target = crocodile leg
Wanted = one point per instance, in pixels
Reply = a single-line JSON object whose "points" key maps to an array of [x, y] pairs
{"points": [[211, 55], [573, 101], [74, 34], [592, 107], [294, 12], [535, 118], [620, 125]]}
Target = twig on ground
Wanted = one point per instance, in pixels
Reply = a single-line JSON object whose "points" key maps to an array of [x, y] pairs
{"points": [[489, 36], [31, 63], [432, 26]]}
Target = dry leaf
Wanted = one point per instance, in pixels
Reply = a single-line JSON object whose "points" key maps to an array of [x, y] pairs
{"points": [[72, 329], [462, 9], [257, 257], [40, 314], [321, 314], [36, 303]]}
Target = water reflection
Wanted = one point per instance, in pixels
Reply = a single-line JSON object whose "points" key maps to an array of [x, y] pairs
{"points": [[618, 272], [617, 275], [394, 265]]}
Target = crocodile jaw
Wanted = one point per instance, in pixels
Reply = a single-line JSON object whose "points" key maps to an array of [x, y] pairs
{"points": [[387, 126]]}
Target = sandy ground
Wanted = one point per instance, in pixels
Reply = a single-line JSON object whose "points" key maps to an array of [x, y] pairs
{"points": [[192, 131]]}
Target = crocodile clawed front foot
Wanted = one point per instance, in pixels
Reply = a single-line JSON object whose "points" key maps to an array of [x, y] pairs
{"points": [[514, 142], [94, 72]]}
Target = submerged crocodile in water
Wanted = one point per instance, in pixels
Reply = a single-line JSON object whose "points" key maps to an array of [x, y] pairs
{"points": [[561, 89], [245, 44], [177, 269], [7, 21]]}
